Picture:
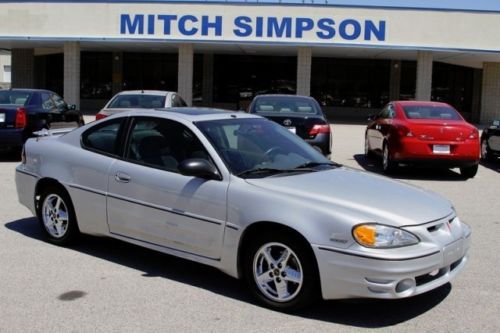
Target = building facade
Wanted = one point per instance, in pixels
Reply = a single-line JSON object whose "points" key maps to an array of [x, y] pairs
{"points": [[352, 56], [5, 71]]}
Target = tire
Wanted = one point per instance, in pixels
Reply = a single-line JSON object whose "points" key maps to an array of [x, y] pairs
{"points": [[368, 151], [300, 288], [485, 151], [469, 172], [56, 216], [388, 166]]}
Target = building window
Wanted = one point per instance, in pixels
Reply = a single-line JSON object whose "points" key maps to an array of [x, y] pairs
{"points": [[357, 83], [453, 85], [151, 71], [95, 75]]}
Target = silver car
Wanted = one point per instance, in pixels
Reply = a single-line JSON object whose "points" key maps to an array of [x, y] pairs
{"points": [[243, 194], [140, 99]]}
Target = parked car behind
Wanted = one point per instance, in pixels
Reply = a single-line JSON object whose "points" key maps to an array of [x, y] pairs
{"points": [[24, 111], [300, 114], [140, 99], [413, 132], [490, 141], [241, 193]]}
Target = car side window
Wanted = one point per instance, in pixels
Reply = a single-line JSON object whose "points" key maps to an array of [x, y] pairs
{"points": [[59, 102], [47, 102], [391, 113], [103, 138], [177, 101], [162, 143]]}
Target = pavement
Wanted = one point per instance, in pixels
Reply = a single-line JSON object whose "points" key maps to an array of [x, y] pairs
{"points": [[105, 285]]}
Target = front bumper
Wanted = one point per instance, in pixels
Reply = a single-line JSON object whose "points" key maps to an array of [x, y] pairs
{"points": [[25, 184], [350, 275]]}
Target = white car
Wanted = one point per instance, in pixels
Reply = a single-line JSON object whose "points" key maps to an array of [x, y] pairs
{"points": [[140, 99]]}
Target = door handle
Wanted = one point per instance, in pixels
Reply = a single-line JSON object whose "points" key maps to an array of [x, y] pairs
{"points": [[122, 177]]}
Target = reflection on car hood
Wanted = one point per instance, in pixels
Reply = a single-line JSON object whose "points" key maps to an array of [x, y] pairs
{"points": [[372, 196]]}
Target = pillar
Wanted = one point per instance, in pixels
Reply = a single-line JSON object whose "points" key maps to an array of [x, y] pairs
{"points": [[117, 73], [304, 61], [72, 73], [23, 68], [490, 98], [185, 73], [208, 79], [424, 76], [395, 80]]}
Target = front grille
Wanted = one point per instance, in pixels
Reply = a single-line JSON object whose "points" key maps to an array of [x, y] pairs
{"points": [[426, 278]]}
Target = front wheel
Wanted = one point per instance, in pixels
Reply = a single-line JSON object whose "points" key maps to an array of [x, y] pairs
{"points": [[469, 172], [57, 216], [485, 151], [281, 272], [368, 151], [388, 165]]}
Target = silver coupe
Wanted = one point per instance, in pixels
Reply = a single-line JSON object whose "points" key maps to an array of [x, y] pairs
{"points": [[243, 194]]}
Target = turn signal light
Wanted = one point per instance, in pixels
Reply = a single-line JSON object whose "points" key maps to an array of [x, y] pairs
{"points": [[21, 120], [382, 236], [100, 116], [319, 129], [404, 131], [365, 235]]}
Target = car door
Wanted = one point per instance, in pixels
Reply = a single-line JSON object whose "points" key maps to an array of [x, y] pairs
{"points": [[150, 201], [377, 128]]}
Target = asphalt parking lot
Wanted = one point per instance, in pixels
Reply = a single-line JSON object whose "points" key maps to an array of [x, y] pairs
{"points": [[106, 285]]}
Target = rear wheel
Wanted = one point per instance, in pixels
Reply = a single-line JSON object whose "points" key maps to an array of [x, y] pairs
{"points": [[469, 172], [485, 151], [57, 216], [368, 151], [280, 271], [388, 165]]}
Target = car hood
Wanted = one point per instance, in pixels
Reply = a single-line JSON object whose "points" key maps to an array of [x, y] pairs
{"points": [[371, 197]]}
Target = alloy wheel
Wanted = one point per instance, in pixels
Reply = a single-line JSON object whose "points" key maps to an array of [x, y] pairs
{"points": [[55, 215]]}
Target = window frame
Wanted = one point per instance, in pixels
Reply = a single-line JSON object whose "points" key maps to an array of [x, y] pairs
{"points": [[121, 136]]}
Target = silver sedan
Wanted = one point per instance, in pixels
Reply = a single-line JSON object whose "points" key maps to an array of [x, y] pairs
{"points": [[245, 195]]}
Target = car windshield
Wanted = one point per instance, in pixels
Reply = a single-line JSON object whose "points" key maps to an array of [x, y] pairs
{"points": [[140, 101], [285, 104], [19, 98], [258, 147], [431, 112]]}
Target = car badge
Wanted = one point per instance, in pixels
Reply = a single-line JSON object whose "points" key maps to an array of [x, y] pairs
{"points": [[287, 122]]}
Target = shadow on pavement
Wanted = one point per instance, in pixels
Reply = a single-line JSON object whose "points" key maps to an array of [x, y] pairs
{"points": [[10, 156], [409, 172], [359, 313], [492, 165]]}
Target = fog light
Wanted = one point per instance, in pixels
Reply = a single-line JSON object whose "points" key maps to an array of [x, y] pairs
{"points": [[405, 285]]}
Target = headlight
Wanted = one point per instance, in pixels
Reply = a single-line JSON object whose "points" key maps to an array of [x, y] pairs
{"points": [[382, 236]]}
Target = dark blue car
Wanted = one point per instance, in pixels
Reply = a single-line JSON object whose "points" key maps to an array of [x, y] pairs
{"points": [[24, 111]]}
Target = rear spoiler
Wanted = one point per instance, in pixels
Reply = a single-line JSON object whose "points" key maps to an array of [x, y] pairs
{"points": [[53, 132]]}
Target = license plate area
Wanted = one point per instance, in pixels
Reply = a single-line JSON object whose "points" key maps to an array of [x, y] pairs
{"points": [[441, 149], [2, 117], [452, 252], [292, 129]]}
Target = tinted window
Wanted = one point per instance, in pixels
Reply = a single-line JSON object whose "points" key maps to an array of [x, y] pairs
{"points": [[103, 138], [246, 144], [285, 105], [140, 101], [60, 103], [162, 143], [47, 102], [431, 112], [19, 98]]}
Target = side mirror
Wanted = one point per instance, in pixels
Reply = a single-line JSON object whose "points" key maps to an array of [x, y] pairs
{"points": [[71, 106], [199, 167]]}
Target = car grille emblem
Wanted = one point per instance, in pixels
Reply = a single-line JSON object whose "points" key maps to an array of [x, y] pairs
{"points": [[287, 122]]}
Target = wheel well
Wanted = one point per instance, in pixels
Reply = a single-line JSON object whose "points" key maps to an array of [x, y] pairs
{"points": [[43, 184], [268, 227]]}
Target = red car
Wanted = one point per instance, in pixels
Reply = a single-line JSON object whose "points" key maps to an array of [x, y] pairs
{"points": [[412, 132]]}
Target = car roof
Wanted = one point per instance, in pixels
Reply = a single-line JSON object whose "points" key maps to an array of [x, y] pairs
{"points": [[191, 114], [282, 95], [421, 103], [146, 92], [28, 90]]}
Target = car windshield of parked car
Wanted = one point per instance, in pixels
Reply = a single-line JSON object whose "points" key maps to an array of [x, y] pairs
{"points": [[259, 147], [431, 112], [10, 97], [283, 104], [140, 101]]}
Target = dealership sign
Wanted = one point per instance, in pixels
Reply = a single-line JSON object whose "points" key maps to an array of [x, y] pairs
{"points": [[299, 24], [243, 26]]}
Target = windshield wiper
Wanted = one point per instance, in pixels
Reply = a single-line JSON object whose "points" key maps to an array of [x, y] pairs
{"points": [[312, 164], [271, 171]]}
